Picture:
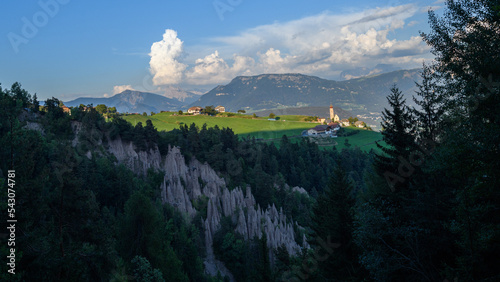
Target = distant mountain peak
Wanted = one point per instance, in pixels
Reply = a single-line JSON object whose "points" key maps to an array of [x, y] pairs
{"points": [[180, 94], [270, 91], [364, 71], [275, 76], [132, 101]]}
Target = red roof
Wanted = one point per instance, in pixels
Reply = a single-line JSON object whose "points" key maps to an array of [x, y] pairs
{"points": [[321, 127], [194, 108]]}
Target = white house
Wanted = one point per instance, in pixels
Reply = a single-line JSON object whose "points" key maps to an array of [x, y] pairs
{"points": [[195, 110], [319, 129], [335, 126], [359, 124]]}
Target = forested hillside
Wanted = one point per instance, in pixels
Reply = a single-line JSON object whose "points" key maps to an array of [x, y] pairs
{"points": [[100, 201], [77, 203]]}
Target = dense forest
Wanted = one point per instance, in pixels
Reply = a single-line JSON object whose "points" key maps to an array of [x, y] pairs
{"points": [[423, 208]]}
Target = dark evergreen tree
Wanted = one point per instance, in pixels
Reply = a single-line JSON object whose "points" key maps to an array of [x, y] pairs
{"points": [[36, 104], [466, 41], [142, 233], [21, 95], [144, 272], [431, 101], [151, 134], [397, 132], [139, 138], [332, 221], [263, 268]]}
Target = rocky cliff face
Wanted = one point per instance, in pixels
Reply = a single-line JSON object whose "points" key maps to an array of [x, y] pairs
{"points": [[139, 162], [185, 182]]}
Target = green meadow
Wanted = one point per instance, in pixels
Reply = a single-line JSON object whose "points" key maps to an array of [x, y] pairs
{"points": [[260, 128], [364, 139]]}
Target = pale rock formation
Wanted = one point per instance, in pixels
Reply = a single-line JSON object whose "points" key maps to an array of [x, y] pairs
{"points": [[140, 161], [256, 221], [35, 126], [183, 184], [300, 190]]}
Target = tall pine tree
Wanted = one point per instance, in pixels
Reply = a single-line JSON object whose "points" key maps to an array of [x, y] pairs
{"points": [[333, 221], [431, 109], [466, 40], [397, 132]]}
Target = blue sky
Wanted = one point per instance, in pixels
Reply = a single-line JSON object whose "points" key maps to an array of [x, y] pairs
{"points": [[73, 48]]}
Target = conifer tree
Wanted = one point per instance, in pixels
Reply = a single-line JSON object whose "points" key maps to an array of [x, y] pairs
{"points": [[430, 99], [333, 222], [466, 40], [397, 132], [36, 104]]}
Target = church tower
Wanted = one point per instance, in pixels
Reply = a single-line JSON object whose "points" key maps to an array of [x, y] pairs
{"points": [[333, 116]]}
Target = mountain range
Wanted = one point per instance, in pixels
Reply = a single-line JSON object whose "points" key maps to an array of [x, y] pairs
{"points": [[130, 101], [274, 91], [365, 96]]}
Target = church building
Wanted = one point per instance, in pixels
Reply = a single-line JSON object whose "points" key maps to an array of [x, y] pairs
{"points": [[333, 116]]}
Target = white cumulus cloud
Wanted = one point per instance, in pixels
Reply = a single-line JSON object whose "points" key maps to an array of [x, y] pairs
{"points": [[164, 66], [120, 88], [213, 69], [323, 45]]}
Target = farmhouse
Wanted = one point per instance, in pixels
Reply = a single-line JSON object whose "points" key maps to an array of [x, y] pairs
{"points": [[320, 129], [359, 124], [334, 126], [195, 110], [345, 122], [220, 109]]}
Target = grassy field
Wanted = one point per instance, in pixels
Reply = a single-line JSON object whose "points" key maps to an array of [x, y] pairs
{"points": [[243, 125], [364, 139], [261, 127]]}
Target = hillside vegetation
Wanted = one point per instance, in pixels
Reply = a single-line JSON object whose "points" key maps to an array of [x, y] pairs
{"points": [[245, 125], [260, 128]]}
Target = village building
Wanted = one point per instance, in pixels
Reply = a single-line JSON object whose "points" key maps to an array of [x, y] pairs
{"points": [[334, 126], [66, 109], [359, 124], [319, 129], [220, 109], [195, 110], [333, 116], [345, 122]]}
